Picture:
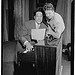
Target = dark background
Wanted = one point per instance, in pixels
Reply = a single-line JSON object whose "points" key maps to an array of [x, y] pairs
{"points": [[10, 14]]}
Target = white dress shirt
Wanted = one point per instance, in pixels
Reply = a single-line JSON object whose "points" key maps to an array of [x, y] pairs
{"points": [[37, 25]]}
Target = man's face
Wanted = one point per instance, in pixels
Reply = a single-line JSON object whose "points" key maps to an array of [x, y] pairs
{"points": [[38, 17], [49, 13]]}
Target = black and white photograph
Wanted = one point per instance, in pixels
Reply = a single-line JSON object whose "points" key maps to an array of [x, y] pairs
{"points": [[36, 37]]}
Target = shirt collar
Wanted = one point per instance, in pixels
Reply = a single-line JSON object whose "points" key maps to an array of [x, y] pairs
{"points": [[37, 23]]}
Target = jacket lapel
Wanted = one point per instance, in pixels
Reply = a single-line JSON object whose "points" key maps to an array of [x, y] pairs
{"points": [[41, 26], [34, 26]]}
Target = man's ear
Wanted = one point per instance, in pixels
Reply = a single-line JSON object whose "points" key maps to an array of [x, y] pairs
{"points": [[34, 17]]}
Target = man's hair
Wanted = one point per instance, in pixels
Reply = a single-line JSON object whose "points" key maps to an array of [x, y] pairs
{"points": [[38, 10], [48, 6]]}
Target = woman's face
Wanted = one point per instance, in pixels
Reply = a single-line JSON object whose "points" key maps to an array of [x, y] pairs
{"points": [[38, 17], [49, 13]]}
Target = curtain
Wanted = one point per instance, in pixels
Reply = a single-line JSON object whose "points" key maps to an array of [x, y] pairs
{"points": [[64, 9], [5, 22], [21, 14], [26, 10], [32, 8]]}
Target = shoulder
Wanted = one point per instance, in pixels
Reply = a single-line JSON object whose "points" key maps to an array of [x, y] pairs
{"points": [[43, 25], [29, 22], [59, 20], [58, 16]]}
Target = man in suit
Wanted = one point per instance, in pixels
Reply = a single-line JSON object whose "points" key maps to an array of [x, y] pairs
{"points": [[25, 32]]}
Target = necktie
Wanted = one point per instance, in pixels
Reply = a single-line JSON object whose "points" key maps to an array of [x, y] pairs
{"points": [[38, 25]]}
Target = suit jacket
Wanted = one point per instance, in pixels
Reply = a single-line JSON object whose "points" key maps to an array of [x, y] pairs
{"points": [[26, 30]]}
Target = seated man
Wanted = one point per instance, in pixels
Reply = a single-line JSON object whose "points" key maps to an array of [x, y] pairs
{"points": [[54, 21], [25, 33]]}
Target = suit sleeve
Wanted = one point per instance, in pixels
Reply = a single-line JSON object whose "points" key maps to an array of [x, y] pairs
{"points": [[24, 34], [61, 27]]}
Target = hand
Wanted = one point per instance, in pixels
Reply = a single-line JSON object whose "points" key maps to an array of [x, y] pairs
{"points": [[49, 31], [28, 46]]}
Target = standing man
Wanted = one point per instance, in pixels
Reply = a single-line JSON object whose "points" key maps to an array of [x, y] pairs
{"points": [[55, 28], [54, 20], [25, 33]]}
